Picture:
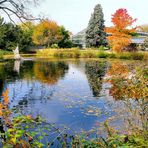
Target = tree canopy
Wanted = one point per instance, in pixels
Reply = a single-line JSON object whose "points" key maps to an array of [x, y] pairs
{"points": [[48, 32]]}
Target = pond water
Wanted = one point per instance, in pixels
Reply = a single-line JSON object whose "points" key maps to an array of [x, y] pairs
{"points": [[66, 93]]}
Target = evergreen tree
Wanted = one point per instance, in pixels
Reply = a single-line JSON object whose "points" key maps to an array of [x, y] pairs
{"points": [[65, 41], [95, 34], [11, 35]]}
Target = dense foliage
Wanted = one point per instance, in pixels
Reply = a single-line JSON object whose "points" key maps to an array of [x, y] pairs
{"points": [[120, 34], [47, 33], [95, 35], [65, 42], [11, 35]]}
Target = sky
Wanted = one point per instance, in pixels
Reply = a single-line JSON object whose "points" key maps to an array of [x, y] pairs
{"points": [[75, 14]]}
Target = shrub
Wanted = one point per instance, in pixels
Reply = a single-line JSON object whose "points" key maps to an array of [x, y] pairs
{"points": [[58, 54], [88, 54], [112, 55], [102, 55], [54, 46], [137, 56], [125, 56], [101, 48], [76, 54], [67, 53], [1, 55], [133, 56], [45, 52]]}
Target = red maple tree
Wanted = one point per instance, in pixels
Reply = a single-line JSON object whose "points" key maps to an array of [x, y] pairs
{"points": [[120, 33]]}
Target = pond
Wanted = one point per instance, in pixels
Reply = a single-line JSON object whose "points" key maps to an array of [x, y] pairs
{"points": [[74, 95]]}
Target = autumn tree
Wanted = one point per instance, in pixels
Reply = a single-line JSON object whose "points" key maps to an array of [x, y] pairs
{"points": [[95, 34], [121, 32], [47, 33]]}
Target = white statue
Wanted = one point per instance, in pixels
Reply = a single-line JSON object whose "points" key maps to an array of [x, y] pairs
{"points": [[16, 53]]}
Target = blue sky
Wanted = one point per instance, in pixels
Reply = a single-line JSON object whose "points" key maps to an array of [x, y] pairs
{"points": [[75, 14]]}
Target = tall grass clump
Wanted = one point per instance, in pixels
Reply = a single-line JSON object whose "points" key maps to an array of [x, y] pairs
{"points": [[132, 56], [45, 53], [137, 56], [67, 53], [1, 55], [102, 54], [112, 55], [125, 56], [88, 54]]}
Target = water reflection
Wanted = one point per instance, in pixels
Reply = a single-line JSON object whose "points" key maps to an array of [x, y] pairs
{"points": [[17, 64], [129, 84], [95, 72], [65, 92], [50, 72]]}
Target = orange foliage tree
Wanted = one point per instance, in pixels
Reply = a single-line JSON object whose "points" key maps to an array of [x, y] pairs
{"points": [[46, 33], [120, 33]]}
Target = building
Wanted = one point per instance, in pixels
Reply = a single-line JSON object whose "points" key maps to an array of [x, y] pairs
{"points": [[79, 39]]}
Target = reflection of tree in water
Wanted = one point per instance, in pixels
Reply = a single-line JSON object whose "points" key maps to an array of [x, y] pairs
{"points": [[131, 86], [95, 71], [47, 72], [50, 72], [8, 74]]}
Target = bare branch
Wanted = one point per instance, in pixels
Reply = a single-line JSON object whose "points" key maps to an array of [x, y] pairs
{"points": [[18, 8], [9, 16], [1, 2]]}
